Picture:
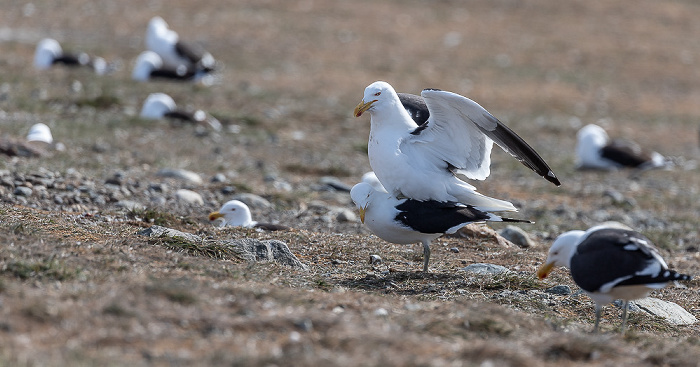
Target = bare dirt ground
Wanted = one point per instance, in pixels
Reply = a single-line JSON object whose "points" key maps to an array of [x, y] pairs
{"points": [[78, 286]]}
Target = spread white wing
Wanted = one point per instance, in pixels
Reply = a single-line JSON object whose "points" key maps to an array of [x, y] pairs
{"points": [[459, 134]]}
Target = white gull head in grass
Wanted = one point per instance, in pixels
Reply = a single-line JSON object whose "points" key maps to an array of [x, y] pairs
{"points": [[610, 263], [234, 213], [422, 162], [237, 214], [595, 150], [407, 221]]}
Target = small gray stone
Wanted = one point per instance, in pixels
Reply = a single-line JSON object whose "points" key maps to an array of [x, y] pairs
{"points": [[253, 201], [23, 191], [130, 205], [281, 185], [454, 249], [481, 268], [615, 196], [158, 200], [189, 196], [158, 187], [346, 215], [219, 177], [631, 306], [334, 183], [180, 174], [375, 259], [559, 289], [517, 235]]}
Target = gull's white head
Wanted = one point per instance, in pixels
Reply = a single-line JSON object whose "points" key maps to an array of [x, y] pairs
{"points": [[561, 252], [146, 62], [41, 133], [156, 105], [234, 213], [360, 195], [46, 51], [378, 95]]}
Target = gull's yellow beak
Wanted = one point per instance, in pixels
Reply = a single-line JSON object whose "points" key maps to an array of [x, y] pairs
{"points": [[362, 107], [215, 216], [544, 270], [362, 214]]}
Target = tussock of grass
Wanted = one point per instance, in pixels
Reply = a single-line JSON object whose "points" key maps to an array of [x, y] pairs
{"points": [[318, 171], [153, 216], [212, 250], [489, 326], [174, 293], [115, 309], [49, 269], [99, 102]]}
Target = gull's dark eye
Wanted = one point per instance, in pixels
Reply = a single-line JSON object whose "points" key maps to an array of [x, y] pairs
{"points": [[378, 93]]}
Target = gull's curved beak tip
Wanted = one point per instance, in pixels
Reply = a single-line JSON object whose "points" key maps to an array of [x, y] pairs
{"points": [[544, 270], [215, 215], [362, 107], [362, 215]]}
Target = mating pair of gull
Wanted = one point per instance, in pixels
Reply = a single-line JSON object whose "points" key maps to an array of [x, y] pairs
{"points": [[418, 161], [167, 56]]}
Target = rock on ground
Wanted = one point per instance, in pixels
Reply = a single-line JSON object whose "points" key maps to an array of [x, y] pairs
{"points": [[189, 196], [669, 311], [249, 249], [480, 268], [517, 236], [181, 174]]}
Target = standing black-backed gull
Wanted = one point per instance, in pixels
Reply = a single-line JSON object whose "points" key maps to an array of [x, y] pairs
{"points": [[174, 52], [422, 162], [235, 213], [407, 221], [160, 105], [595, 150], [610, 263], [49, 52]]}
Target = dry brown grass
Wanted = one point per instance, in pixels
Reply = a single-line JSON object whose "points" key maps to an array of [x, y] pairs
{"points": [[81, 288]]}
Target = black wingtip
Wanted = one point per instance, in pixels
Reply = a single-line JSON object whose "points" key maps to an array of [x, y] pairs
{"points": [[512, 220], [551, 177]]}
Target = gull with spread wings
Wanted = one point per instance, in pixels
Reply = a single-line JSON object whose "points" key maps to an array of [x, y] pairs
{"points": [[422, 162]]}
